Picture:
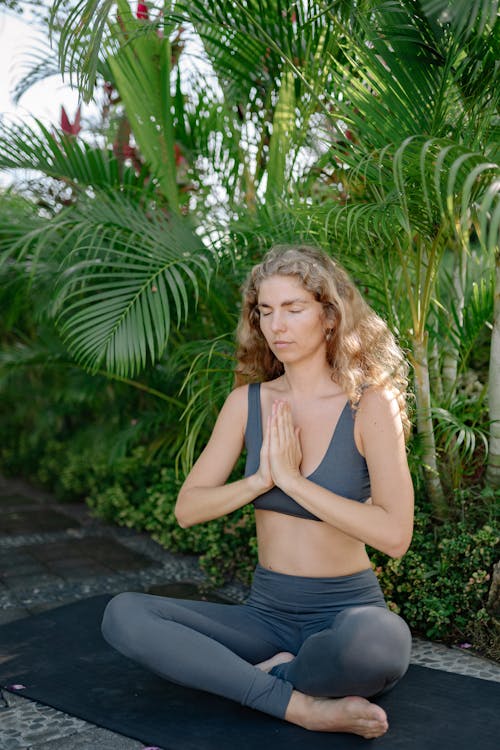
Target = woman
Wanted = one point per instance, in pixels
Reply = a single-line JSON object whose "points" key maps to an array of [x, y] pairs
{"points": [[324, 422]]}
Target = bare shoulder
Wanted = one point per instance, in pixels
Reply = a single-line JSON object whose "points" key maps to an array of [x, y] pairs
{"points": [[235, 407], [237, 398], [378, 419], [379, 401]]}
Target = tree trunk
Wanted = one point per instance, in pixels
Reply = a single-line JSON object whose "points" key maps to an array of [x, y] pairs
{"points": [[493, 469], [425, 427], [450, 359], [435, 370]]}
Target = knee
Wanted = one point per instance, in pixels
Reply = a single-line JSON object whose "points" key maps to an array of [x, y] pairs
{"points": [[379, 640], [117, 617]]}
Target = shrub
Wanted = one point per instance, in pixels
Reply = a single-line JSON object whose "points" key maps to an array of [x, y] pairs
{"points": [[441, 585]]}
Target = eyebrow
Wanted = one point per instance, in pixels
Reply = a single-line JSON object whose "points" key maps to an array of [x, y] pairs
{"points": [[286, 303]]}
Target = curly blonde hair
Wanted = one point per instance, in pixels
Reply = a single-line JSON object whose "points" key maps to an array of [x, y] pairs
{"points": [[360, 348]]}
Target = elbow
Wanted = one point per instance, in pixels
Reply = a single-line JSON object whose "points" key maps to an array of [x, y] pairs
{"points": [[182, 523], [398, 547], [180, 514], [397, 551]]}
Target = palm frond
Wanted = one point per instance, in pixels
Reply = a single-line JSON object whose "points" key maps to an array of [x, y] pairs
{"points": [[281, 140], [206, 385], [465, 329], [408, 68], [81, 40], [458, 435], [38, 66], [463, 16], [127, 275], [66, 158], [141, 66], [247, 42]]}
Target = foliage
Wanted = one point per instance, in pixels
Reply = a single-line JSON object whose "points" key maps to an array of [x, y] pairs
{"points": [[441, 585]]}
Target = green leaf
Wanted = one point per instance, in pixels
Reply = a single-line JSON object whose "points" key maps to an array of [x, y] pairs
{"points": [[141, 68], [115, 306]]}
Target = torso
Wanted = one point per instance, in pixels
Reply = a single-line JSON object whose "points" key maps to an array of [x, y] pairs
{"points": [[299, 546]]}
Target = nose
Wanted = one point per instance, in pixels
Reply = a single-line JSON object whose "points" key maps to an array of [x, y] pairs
{"points": [[277, 321]]}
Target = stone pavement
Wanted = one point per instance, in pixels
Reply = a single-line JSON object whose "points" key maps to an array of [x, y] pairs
{"points": [[53, 554]]}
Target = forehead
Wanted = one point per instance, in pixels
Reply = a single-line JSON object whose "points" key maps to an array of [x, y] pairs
{"points": [[278, 289]]}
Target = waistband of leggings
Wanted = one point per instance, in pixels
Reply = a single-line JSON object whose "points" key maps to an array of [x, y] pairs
{"points": [[281, 590], [285, 579]]}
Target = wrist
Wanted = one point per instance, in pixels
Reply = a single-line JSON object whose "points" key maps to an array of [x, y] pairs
{"points": [[290, 483], [257, 485]]}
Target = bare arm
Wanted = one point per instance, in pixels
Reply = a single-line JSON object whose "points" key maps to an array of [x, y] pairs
{"points": [[205, 494], [387, 523]]}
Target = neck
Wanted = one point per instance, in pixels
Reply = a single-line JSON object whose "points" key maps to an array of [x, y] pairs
{"points": [[308, 379]]}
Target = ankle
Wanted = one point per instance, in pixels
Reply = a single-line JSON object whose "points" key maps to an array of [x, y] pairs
{"points": [[298, 709]]}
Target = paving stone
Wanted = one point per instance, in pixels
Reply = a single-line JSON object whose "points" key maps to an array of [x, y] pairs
{"points": [[95, 550], [85, 569], [90, 739], [64, 549], [15, 500], [25, 722], [21, 569], [25, 521], [31, 581], [13, 558]]}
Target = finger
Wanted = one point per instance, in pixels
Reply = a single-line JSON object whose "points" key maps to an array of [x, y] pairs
{"points": [[289, 421], [288, 428], [282, 427], [273, 426], [267, 434]]}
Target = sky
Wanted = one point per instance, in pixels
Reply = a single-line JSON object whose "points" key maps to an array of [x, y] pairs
{"points": [[18, 36]]}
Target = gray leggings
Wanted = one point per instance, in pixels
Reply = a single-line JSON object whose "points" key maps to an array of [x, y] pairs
{"points": [[345, 640]]}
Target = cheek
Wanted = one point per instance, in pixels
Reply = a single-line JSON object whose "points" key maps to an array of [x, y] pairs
{"points": [[263, 327]]}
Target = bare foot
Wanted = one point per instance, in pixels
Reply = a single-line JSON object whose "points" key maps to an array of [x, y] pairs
{"points": [[280, 658], [351, 714]]}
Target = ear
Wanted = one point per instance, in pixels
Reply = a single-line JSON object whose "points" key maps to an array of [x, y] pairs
{"points": [[329, 317]]}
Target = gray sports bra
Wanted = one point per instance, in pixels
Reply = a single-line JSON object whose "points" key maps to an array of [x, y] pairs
{"points": [[343, 469]]}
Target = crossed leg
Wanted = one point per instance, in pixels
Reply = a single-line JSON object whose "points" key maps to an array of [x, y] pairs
{"points": [[216, 647], [364, 653]]}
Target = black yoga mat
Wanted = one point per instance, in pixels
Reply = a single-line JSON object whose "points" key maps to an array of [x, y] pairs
{"points": [[62, 660]]}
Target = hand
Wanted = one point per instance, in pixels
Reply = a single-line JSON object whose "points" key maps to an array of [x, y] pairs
{"points": [[263, 474], [285, 452]]}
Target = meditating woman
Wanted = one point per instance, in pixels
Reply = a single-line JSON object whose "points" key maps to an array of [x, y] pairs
{"points": [[322, 415]]}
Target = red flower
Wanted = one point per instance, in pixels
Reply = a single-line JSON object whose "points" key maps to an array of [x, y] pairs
{"points": [[70, 128], [142, 11]]}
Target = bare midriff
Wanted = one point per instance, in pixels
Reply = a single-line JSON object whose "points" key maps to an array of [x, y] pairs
{"points": [[301, 547]]}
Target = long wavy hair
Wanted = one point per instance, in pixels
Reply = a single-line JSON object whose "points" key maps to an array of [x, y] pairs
{"points": [[360, 349]]}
